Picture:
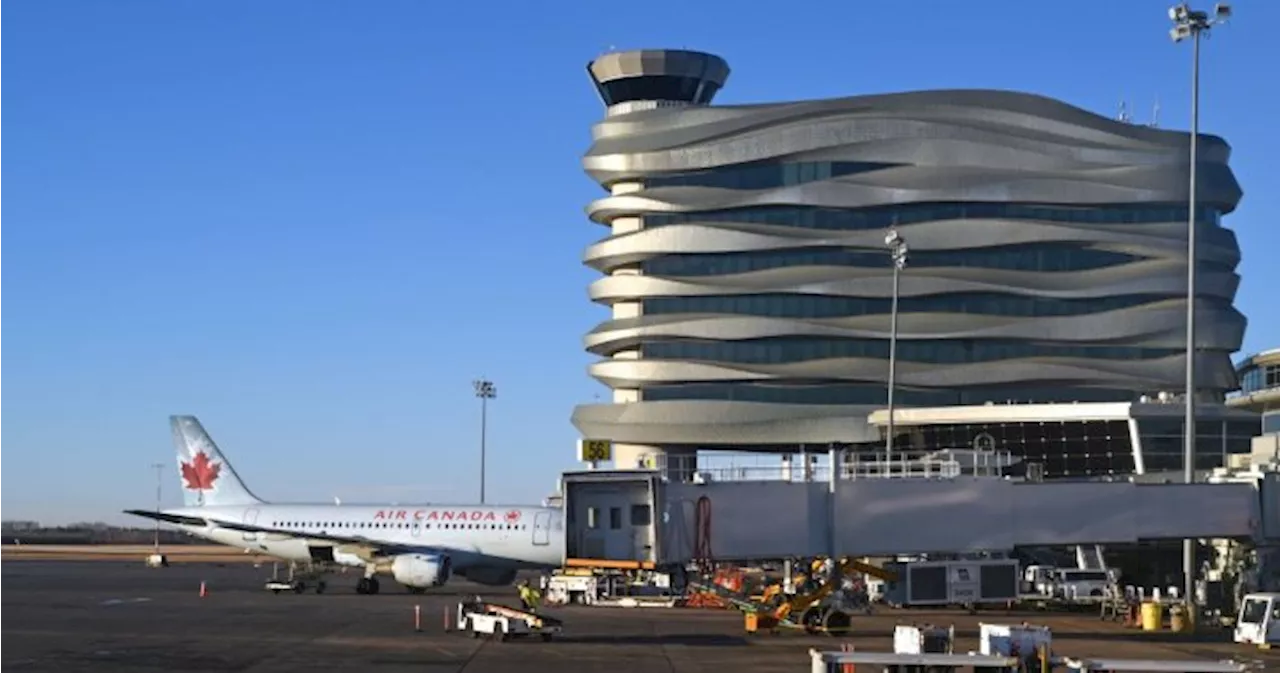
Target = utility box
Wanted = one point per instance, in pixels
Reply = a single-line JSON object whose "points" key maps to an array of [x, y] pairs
{"points": [[1013, 640], [563, 589], [966, 582], [923, 639]]}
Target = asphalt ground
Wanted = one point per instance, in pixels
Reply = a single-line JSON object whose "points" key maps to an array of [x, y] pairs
{"points": [[122, 616]]}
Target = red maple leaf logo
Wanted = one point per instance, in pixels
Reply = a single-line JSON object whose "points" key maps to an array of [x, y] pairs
{"points": [[513, 516], [200, 473]]}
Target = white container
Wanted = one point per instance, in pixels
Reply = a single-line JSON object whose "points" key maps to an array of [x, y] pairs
{"points": [[1006, 640], [908, 639]]}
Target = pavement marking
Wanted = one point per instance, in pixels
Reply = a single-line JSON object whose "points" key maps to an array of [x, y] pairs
{"points": [[122, 601]]}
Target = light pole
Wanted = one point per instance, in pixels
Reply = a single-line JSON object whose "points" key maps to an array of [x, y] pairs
{"points": [[898, 252], [159, 468], [1190, 23], [486, 391]]}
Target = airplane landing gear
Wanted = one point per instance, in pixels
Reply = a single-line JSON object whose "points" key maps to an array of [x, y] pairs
{"points": [[367, 585]]}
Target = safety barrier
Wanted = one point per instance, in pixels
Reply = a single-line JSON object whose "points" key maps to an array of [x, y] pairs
{"points": [[835, 662], [1152, 665], [1004, 648]]}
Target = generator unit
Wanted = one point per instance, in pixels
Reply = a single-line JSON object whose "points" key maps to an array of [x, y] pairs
{"points": [[964, 582]]}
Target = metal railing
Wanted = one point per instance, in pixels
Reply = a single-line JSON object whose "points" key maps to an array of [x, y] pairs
{"points": [[813, 467]]}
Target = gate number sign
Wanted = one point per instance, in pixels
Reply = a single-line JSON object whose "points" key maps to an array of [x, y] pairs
{"points": [[594, 450]]}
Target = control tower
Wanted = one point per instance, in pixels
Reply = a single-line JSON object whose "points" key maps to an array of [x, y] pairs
{"points": [[632, 81], [650, 78]]}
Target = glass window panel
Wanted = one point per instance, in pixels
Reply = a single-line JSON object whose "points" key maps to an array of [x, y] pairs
{"points": [[834, 392], [836, 218], [820, 306], [943, 351], [1030, 257], [764, 175]]}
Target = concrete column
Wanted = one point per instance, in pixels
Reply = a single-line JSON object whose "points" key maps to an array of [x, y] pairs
{"points": [[626, 309]]}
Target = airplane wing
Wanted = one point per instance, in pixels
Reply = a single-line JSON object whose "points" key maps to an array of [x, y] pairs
{"points": [[175, 519], [376, 546]]}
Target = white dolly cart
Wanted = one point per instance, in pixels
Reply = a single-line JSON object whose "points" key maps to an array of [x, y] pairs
{"points": [[502, 622]]}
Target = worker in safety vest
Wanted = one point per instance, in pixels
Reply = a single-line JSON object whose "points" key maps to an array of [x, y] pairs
{"points": [[529, 596]]}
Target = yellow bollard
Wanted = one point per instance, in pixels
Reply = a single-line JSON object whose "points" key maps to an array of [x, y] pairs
{"points": [[1152, 616]]}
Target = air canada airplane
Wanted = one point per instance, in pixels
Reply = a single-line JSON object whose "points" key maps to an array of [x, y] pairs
{"points": [[418, 545]]}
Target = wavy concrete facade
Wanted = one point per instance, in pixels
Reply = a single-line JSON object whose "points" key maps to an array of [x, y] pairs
{"points": [[1048, 258]]}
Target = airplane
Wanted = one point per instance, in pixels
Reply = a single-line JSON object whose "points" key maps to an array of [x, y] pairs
{"points": [[420, 546]]}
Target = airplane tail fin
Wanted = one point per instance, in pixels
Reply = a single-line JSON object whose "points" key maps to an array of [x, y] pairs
{"points": [[207, 477]]}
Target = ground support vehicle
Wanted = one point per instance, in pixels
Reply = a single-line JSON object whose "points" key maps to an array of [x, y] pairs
{"points": [[296, 580], [479, 617]]}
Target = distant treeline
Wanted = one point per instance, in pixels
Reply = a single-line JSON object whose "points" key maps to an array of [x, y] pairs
{"points": [[95, 534]]}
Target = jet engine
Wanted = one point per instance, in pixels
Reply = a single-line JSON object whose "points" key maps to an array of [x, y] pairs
{"points": [[420, 570]]}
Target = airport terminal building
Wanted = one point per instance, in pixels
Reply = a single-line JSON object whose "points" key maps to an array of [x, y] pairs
{"points": [[1260, 388], [744, 263]]}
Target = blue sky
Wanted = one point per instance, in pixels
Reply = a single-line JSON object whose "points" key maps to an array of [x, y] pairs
{"points": [[313, 223]]}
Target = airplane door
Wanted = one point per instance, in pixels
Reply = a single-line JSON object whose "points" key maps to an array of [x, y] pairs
{"points": [[542, 528], [251, 518]]}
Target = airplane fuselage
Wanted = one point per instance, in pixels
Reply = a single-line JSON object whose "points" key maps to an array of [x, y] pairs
{"points": [[420, 546], [475, 537]]}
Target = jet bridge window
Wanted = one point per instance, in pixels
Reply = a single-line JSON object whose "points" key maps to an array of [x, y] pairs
{"points": [[615, 518], [640, 515], [593, 517]]}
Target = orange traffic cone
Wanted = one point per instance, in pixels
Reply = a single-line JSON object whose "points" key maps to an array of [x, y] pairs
{"points": [[203, 591]]}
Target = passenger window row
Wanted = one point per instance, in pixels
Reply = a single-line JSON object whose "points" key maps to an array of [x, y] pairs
{"points": [[328, 525]]}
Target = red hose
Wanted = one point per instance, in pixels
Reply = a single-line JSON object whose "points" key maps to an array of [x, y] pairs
{"points": [[702, 535]]}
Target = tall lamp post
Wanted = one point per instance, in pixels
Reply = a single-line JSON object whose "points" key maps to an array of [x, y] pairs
{"points": [[159, 468], [1189, 23], [898, 252], [486, 391]]}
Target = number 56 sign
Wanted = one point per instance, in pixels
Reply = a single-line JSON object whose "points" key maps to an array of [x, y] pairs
{"points": [[595, 450]]}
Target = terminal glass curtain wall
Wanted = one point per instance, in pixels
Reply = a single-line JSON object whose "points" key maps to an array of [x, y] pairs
{"points": [[1093, 448], [1162, 444]]}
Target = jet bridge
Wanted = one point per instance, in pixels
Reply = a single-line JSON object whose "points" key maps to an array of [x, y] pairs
{"points": [[641, 515]]}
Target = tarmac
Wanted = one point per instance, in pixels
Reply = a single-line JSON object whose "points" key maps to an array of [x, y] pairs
{"points": [[123, 616]]}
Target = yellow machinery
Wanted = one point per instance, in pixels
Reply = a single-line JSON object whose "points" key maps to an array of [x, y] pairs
{"points": [[816, 614]]}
